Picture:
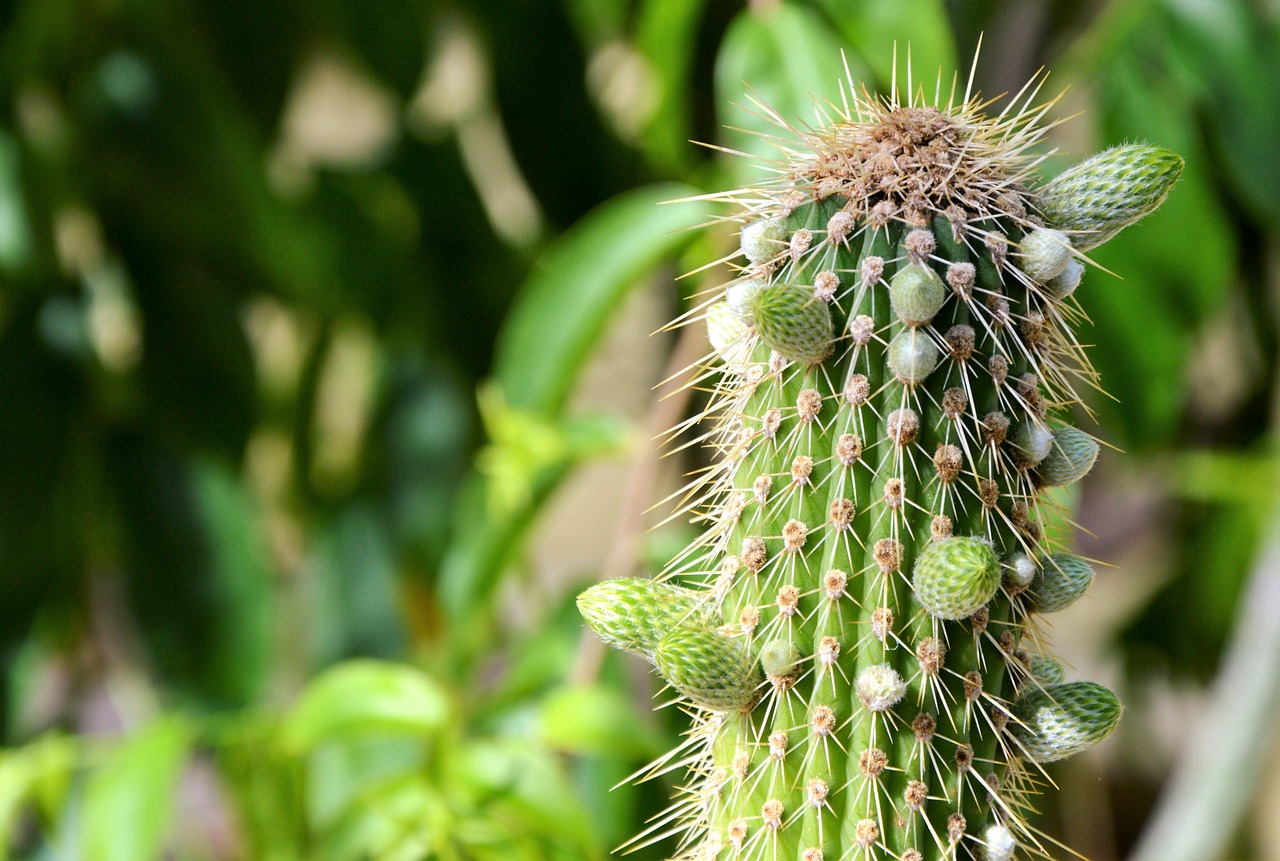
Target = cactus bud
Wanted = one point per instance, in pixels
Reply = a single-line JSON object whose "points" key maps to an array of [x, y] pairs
{"points": [[916, 293], [1060, 582], [880, 687], [763, 240], [793, 322], [712, 670], [1045, 670], [1031, 441], [738, 295], [913, 356], [1102, 195], [1056, 721], [1000, 843], [954, 577], [779, 657], [1065, 284], [1020, 569], [1044, 254], [728, 336], [1069, 459], [633, 613]]}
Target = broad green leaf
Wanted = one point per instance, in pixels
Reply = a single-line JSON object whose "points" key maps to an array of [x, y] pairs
{"points": [[667, 34], [365, 698], [1174, 267], [1236, 58], [783, 60], [129, 800], [36, 775], [886, 32], [578, 284], [596, 721], [15, 233]]}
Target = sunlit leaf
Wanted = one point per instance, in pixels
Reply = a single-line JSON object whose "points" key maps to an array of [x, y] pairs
{"points": [[129, 800], [363, 698], [777, 62], [578, 285], [885, 31], [597, 721]]}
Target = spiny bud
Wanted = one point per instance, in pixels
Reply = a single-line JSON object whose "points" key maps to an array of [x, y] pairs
{"points": [[913, 356], [633, 613], [916, 293], [1102, 195], [1067, 281], [1060, 582], [763, 240], [1046, 670], [956, 576], [793, 322], [1056, 721], [738, 295], [728, 336], [712, 670], [779, 657], [1020, 570], [1044, 254], [1031, 441], [1070, 457]]}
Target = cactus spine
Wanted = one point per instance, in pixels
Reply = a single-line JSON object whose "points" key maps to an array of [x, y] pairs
{"points": [[856, 632]]}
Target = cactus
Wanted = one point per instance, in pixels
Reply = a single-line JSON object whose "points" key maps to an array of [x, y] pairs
{"points": [[856, 633]]}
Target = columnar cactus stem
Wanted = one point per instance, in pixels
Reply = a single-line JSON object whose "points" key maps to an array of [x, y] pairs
{"points": [[856, 631]]}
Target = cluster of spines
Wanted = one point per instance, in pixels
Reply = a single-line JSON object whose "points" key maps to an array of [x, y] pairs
{"points": [[859, 647]]}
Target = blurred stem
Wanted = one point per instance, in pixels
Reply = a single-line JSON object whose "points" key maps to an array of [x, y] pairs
{"points": [[1217, 775]]}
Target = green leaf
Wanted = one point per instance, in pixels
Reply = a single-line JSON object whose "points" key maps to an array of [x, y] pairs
{"points": [[15, 233], [562, 309], [363, 698], [667, 33], [129, 800], [596, 721], [882, 31], [783, 57]]}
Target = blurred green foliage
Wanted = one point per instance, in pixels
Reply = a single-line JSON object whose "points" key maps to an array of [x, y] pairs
{"points": [[294, 298]]}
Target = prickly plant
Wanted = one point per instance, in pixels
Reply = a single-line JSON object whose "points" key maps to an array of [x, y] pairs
{"points": [[857, 634]]}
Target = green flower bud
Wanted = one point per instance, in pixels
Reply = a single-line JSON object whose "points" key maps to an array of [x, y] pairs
{"points": [[793, 322], [916, 293], [1069, 459], [1060, 582], [913, 356], [954, 577], [1056, 721], [712, 670], [763, 240], [1031, 443], [1044, 254], [633, 613], [1045, 670], [1101, 196], [779, 657]]}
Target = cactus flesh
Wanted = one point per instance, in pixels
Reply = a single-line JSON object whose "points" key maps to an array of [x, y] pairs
{"points": [[896, 360]]}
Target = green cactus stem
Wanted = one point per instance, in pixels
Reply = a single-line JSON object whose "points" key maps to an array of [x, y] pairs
{"points": [[857, 633]]}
